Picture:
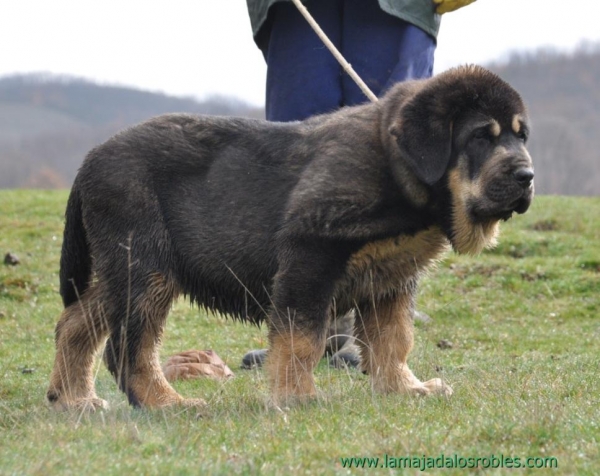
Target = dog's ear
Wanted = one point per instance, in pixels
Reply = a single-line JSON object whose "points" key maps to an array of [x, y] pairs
{"points": [[423, 132]]}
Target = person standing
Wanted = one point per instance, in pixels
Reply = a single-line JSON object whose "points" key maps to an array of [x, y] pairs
{"points": [[385, 41]]}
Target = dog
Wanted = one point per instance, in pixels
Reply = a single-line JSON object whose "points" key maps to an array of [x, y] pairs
{"points": [[285, 223]]}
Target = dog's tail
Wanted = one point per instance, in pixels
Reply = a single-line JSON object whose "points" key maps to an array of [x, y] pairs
{"points": [[75, 258]]}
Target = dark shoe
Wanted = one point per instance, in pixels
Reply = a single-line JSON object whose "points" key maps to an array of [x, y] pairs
{"points": [[254, 359]]}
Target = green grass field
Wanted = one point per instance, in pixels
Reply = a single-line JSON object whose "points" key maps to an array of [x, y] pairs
{"points": [[524, 365]]}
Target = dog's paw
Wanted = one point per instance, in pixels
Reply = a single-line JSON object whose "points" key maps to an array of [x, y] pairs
{"points": [[437, 386], [286, 402], [408, 384], [173, 401], [192, 403], [86, 405]]}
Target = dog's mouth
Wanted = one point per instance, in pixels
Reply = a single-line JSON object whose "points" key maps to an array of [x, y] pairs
{"points": [[504, 196], [522, 204], [488, 210]]}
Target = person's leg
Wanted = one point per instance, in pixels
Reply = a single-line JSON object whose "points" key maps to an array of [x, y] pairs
{"points": [[303, 78], [382, 49]]}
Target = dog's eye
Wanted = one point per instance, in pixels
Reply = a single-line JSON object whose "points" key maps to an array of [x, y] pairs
{"points": [[482, 133], [523, 135]]}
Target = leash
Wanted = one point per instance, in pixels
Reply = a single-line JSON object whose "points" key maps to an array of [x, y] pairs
{"points": [[335, 52]]}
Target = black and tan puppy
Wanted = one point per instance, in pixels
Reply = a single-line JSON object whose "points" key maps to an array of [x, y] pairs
{"points": [[288, 223]]}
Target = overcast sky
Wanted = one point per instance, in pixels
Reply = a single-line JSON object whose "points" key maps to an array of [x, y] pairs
{"points": [[203, 47]]}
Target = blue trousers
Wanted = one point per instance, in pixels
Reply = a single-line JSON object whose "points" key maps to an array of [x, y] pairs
{"points": [[303, 77]]}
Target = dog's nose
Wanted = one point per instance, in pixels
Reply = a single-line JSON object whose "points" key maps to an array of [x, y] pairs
{"points": [[524, 176]]}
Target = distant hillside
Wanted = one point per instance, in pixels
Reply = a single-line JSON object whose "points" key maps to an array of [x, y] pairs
{"points": [[98, 105], [48, 123]]}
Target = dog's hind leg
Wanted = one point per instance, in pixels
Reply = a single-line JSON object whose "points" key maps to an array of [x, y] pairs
{"points": [[385, 336], [132, 351], [80, 332]]}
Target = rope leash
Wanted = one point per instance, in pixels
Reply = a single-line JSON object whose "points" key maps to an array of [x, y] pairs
{"points": [[335, 52]]}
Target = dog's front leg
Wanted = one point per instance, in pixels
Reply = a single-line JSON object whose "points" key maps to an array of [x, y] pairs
{"points": [[302, 295], [292, 357], [386, 336]]}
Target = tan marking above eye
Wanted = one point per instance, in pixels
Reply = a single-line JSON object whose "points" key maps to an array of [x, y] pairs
{"points": [[495, 128], [516, 123]]}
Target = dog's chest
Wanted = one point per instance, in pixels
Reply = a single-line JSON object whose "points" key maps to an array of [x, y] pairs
{"points": [[385, 266]]}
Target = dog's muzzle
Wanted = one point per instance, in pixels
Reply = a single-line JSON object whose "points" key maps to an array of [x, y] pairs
{"points": [[524, 177], [510, 192]]}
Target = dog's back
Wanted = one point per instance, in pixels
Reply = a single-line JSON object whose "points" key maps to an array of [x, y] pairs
{"points": [[199, 199]]}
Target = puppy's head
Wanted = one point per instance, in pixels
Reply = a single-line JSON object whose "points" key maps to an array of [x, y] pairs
{"points": [[464, 132]]}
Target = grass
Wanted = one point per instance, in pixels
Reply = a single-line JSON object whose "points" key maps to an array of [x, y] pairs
{"points": [[522, 320]]}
